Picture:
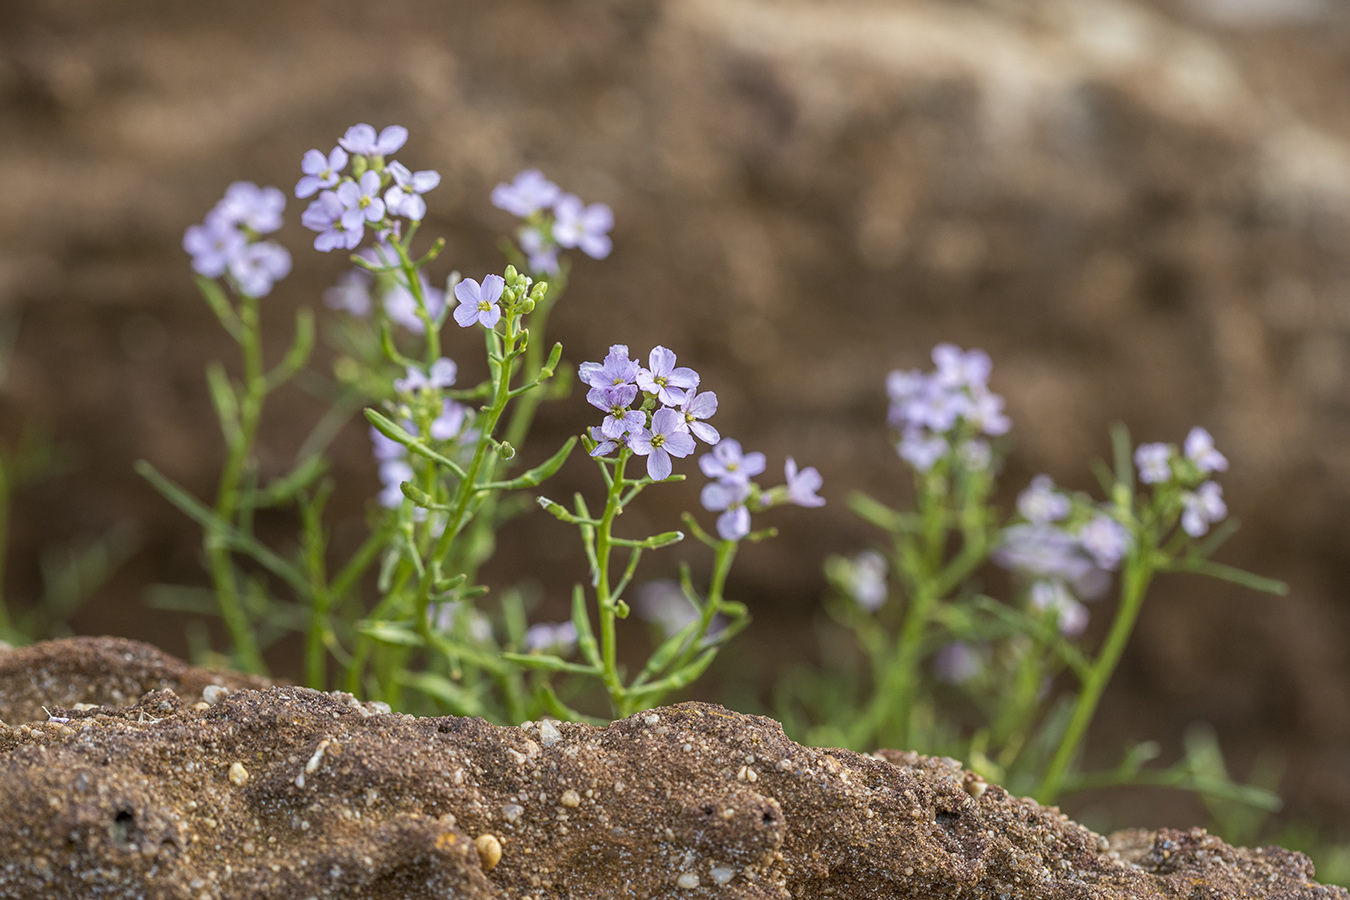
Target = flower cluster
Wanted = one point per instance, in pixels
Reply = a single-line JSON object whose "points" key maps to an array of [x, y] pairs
{"points": [[1065, 548], [553, 220], [376, 193], [1201, 498], [948, 410], [228, 241], [356, 290], [734, 495], [667, 420]]}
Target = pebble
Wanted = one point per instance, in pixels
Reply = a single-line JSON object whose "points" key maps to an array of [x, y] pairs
{"points": [[688, 881], [238, 774], [570, 798], [213, 693], [548, 733], [489, 851]]}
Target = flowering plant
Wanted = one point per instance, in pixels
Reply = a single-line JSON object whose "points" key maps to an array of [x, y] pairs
{"points": [[932, 635], [427, 634]]}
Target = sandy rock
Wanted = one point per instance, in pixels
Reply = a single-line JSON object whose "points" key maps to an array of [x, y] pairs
{"points": [[684, 801]]}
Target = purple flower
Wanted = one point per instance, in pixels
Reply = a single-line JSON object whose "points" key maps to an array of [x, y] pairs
{"points": [[351, 293], [1203, 507], [664, 380], [1154, 462], [320, 171], [258, 209], [526, 195], [258, 267], [802, 486], [728, 498], [921, 450], [985, 412], [1200, 450], [617, 369], [403, 199], [697, 406], [560, 639], [361, 202], [1106, 540], [478, 303], [1043, 552], [401, 306], [451, 422], [729, 465], [441, 375], [393, 473], [976, 455], [539, 249], [619, 419], [1041, 504], [583, 226], [603, 445], [664, 604], [958, 369], [1053, 597], [666, 439], [325, 215], [903, 385], [867, 580], [213, 245], [361, 140], [957, 663], [385, 448]]}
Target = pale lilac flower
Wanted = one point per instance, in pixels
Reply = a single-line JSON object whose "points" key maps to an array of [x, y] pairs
{"points": [[361, 140], [933, 407], [526, 195], [663, 379], [325, 215], [664, 604], [976, 455], [696, 406], [257, 208], [478, 303], [1054, 597], [921, 450], [729, 498], [583, 226], [901, 385], [351, 293], [957, 369], [560, 638], [320, 171], [616, 370], [1204, 507], [867, 580], [441, 375], [1106, 540], [1041, 504], [1200, 450], [214, 244], [619, 419], [385, 448], [541, 252], [666, 439], [802, 486], [985, 412], [957, 663], [403, 199], [451, 422], [603, 445], [393, 473], [258, 267], [401, 306], [729, 465], [1154, 462], [1043, 552], [361, 202]]}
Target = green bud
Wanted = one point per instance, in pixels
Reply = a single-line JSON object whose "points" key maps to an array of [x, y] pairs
{"points": [[506, 451], [538, 291], [420, 497], [511, 276], [621, 609], [527, 307]]}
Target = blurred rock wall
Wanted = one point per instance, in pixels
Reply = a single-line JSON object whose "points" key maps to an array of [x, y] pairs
{"points": [[1141, 210]]}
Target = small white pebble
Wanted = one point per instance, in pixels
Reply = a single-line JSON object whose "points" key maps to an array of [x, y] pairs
{"points": [[570, 798], [548, 733], [313, 764], [213, 693], [238, 774], [651, 718], [722, 874], [512, 811], [688, 881], [687, 747]]}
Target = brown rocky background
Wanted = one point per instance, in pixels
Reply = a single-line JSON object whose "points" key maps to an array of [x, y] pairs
{"points": [[1140, 209]]}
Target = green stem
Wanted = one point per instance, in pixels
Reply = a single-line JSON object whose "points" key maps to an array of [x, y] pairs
{"points": [[603, 547], [227, 497], [1137, 575]]}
